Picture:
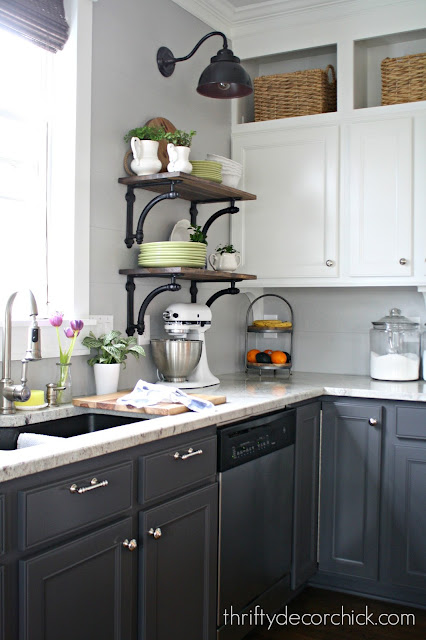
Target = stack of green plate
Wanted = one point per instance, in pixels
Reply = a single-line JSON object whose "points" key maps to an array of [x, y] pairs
{"points": [[172, 254], [207, 169]]}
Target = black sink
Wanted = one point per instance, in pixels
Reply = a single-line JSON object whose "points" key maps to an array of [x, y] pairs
{"points": [[65, 427]]}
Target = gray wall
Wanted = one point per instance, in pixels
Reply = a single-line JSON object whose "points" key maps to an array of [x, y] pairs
{"points": [[127, 91]]}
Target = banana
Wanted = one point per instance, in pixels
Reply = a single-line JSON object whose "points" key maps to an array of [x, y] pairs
{"points": [[272, 324]]}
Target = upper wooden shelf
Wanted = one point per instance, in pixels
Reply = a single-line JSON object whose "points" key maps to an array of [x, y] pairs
{"points": [[187, 273], [188, 187]]}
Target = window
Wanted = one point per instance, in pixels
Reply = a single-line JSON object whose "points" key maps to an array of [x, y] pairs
{"points": [[45, 113], [24, 141]]}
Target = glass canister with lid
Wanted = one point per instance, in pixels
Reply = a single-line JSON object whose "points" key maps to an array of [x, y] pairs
{"points": [[395, 348]]}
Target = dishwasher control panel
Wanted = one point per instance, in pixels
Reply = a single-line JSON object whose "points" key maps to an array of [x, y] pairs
{"points": [[251, 439]]}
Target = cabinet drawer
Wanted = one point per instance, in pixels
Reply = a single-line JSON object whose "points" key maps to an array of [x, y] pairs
{"points": [[411, 422], [168, 472], [51, 511]]}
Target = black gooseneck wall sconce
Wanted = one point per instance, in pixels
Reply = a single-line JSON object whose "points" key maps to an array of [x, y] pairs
{"points": [[223, 78]]}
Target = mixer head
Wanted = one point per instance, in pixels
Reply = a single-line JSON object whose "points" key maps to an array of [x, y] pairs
{"points": [[180, 318]]}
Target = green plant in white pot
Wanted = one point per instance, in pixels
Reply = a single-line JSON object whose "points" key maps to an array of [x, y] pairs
{"points": [[178, 148], [112, 351]]}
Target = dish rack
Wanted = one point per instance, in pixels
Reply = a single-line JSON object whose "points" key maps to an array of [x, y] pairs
{"points": [[250, 328]]}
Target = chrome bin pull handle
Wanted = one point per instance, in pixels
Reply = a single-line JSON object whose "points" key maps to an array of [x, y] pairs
{"points": [[94, 484], [187, 455]]}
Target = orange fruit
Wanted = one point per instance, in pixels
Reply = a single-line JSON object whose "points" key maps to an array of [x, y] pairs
{"points": [[268, 351], [278, 357], [251, 355]]}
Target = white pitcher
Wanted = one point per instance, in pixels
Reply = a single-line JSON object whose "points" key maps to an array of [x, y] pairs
{"points": [[178, 157], [225, 261], [145, 157]]}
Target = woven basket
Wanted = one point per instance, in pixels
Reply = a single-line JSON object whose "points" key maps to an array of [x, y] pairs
{"points": [[301, 93], [404, 79]]}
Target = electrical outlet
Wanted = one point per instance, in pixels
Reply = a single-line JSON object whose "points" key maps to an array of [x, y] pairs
{"points": [[146, 337]]}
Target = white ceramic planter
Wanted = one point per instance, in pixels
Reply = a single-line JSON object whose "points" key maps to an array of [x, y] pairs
{"points": [[106, 378], [145, 157], [178, 157]]}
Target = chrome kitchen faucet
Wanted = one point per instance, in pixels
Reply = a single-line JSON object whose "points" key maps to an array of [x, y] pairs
{"points": [[9, 391]]}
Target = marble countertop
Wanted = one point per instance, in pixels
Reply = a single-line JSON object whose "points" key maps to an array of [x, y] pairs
{"points": [[247, 395]]}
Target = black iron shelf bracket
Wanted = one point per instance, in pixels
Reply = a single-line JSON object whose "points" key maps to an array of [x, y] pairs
{"points": [[232, 291], [231, 209], [130, 288], [130, 199]]}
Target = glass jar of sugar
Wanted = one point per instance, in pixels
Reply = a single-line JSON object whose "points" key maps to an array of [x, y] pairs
{"points": [[395, 348]]}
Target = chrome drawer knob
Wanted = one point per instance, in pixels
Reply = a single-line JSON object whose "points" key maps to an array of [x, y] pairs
{"points": [[156, 533], [403, 261], [373, 422], [131, 545], [329, 263]]}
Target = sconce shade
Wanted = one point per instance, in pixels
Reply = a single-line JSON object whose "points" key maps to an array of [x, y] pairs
{"points": [[225, 77]]}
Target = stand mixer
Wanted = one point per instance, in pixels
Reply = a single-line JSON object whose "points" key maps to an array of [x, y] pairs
{"points": [[191, 321]]}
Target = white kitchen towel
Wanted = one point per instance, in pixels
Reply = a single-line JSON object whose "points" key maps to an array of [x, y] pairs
{"points": [[33, 439], [146, 394]]}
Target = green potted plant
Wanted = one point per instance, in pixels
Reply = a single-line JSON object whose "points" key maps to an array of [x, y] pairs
{"points": [[178, 148], [225, 258], [197, 234], [144, 143], [112, 351]]}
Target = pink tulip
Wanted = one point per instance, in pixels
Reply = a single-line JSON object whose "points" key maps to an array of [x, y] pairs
{"points": [[56, 320], [69, 332], [77, 325]]}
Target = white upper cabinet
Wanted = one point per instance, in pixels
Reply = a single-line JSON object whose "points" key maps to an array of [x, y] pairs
{"points": [[291, 230], [380, 198]]}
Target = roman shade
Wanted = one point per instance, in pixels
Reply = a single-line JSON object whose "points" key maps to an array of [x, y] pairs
{"points": [[41, 21]]}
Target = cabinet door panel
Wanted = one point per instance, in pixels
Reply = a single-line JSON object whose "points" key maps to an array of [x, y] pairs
{"points": [[291, 229], [408, 517], [380, 198], [350, 489], [79, 590], [306, 494], [179, 577]]}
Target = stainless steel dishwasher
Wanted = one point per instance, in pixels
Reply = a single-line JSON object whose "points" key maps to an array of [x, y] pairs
{"points": [[255, 464]]}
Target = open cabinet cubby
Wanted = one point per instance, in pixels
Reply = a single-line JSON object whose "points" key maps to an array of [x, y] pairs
{"points": [[301, 60], [368, 56]]}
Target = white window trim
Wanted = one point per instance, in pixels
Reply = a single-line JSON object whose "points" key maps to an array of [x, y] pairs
{"points": [[69, 277]]}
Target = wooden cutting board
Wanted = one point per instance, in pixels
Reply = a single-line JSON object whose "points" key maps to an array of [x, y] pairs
{"points": [[108, 403]]}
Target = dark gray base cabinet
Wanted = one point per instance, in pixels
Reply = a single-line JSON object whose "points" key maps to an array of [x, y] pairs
{"points": [[373, 497], [179, 560], [306, 472], [79, 590]]}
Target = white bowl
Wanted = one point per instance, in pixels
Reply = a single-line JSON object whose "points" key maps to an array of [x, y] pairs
{"points": [[230, 180], [225, 162]]}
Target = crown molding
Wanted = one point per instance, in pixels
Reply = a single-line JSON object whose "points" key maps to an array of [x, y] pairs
{"points": [[218, 14], [234, 21]]}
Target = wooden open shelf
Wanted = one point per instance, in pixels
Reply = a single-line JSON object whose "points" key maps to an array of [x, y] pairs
{"points": [[187, 186], [187, 273]]}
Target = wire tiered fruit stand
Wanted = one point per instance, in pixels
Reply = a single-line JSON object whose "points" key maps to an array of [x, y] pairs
{"points": [[267, 332]]}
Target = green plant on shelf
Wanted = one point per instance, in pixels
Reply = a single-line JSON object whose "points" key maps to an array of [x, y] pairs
{"points": [[227, 248], [145, 133], [180, 138], [197, 234]]}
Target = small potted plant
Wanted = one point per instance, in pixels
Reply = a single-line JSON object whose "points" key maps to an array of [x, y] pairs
{"points": [[112, 351], [225, 258], [197, 235], [178, 148], [144, 143]]}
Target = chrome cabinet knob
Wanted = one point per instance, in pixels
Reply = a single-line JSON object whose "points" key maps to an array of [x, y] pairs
{"points": [[373, 422], [329, 263], [403, 261], [156, 533], [131, 545]]}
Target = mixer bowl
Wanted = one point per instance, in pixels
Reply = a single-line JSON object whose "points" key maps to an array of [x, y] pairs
{"points": [[176, 359]]}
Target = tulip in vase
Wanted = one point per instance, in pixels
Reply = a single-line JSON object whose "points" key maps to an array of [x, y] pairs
{"points": [[64, 383]]}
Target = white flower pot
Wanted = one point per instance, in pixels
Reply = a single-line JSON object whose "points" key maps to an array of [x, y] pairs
{"points": [[106, 378], [178, 157], [145, 157]]}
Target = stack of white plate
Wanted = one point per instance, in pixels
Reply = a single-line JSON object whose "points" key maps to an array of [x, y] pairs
{"points": [[207, 169], [172, 254], [231, 170]]}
